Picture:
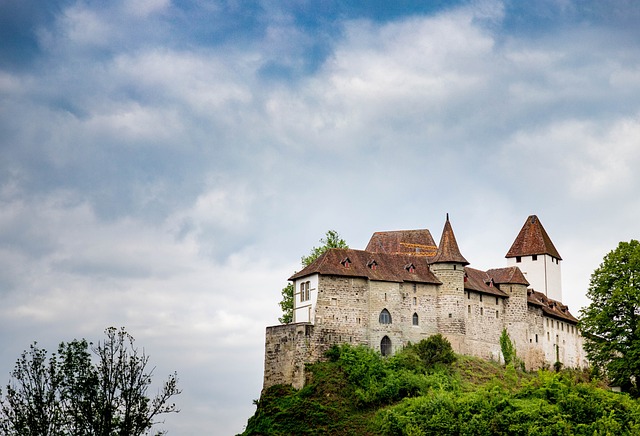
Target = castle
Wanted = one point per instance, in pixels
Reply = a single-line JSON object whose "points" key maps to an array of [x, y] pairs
{"points": [[404, 288]]}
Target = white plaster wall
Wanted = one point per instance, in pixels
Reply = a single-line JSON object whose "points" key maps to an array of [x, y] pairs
{"points": [[304, 311], [543, 274]]}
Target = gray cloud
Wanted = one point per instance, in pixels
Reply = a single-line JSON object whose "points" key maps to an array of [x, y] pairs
{"points": [[169, 180]]}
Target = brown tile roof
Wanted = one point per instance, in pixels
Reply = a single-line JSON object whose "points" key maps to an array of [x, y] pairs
{"points": [[415, 242], [510, 274], [479, 281], [533, 239], [388, 267], [550, 307], [448, 250]]}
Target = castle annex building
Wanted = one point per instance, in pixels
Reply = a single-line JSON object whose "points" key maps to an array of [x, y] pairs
{"points": [[404, 288]]}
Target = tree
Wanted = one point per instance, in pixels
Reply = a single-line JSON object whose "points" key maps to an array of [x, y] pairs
{"points": [[611, 323], [286, 304], [507, 348], [332, 239], [70, 394]]}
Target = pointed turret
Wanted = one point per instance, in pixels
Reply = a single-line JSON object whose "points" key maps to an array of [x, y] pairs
{"points": [[448, 250], [533, 239]]}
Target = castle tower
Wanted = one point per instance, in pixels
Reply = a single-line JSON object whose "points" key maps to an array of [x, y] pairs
{"points": [[448, 265], [537, 257]]}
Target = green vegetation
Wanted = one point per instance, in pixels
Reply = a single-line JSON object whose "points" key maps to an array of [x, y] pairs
{"points": [[68, 394], [611, 323], [426, 389], [331, 239]]}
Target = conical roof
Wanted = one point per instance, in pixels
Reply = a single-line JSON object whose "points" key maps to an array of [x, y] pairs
{"points": [[448, 250], [533, 239]]}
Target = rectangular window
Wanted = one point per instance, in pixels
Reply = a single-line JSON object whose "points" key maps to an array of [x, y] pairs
{"points": [[469, 295], [481, 298], [496, 301], [534, 257], [301, 291], [481, 311], [497, 315], [536, 338], [306, 291], [469, 308], [415, 301], [518, 259]]}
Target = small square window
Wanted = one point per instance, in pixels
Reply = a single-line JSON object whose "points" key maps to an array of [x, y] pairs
{"points": [[534, 257], [518, 259]]}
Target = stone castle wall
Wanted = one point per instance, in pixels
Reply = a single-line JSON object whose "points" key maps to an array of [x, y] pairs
{"points": [[348, 310]]}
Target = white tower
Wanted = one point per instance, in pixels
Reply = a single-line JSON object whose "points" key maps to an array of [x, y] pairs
{"points": [[537, 257]]}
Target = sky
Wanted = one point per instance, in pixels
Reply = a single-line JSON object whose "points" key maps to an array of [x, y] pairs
{"points": [[164, 164]]}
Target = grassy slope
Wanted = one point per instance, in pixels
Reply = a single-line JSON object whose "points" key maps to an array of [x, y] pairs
{"points": [[362, 394]]}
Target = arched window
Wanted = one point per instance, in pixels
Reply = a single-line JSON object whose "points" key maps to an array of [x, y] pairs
{"points": [[385, 317], [415, 319], [385, 346]]}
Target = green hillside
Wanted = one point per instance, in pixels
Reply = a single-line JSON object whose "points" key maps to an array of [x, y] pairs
{"points": [[425, 389]]}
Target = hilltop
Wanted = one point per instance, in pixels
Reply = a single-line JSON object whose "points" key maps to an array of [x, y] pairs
{"points": [[426, 389]]}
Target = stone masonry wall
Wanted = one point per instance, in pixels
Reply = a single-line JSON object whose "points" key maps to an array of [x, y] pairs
{"points": [[348, 311], [287, 348], [451, 312], [484, 323]]}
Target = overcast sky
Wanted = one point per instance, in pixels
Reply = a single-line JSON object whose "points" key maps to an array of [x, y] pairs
{"points": [[165, 163]]}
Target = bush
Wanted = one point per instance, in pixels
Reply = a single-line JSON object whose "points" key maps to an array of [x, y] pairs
{"points": [[435, 350]]}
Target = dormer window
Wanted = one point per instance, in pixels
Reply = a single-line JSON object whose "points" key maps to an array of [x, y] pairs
{"points": [[372, 264], [346, 262], [410, 267]]}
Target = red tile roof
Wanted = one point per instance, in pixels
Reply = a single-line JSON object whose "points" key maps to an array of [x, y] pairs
{"points": [[415, 242], [388, 267], [533, 239], [448, 250], [510, 274], [479, 281], [550, 307]]}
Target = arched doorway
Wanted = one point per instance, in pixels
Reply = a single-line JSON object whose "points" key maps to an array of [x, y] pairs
{"points": [[385, 346]]}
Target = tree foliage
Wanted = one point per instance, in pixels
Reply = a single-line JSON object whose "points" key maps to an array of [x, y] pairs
{"points": [[611, 323], [507, 348], [332, 239], [68, 393], [435, 350], [286, 304]]}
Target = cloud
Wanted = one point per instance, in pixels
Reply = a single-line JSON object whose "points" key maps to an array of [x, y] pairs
{"points": [[164, 165]]}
